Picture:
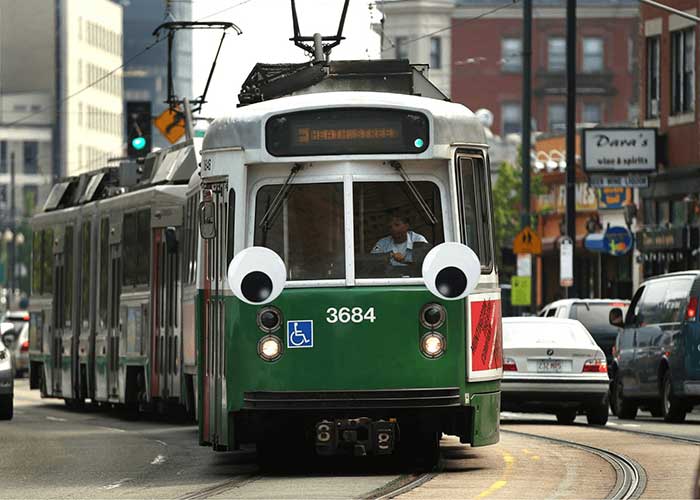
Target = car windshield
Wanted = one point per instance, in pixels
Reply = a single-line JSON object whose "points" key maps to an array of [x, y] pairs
{"points": [[595, 316], [392, 232], [545, 332], [308, 230]]}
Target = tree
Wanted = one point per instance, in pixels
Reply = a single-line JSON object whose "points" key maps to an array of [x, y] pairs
{"points": [[507, 204]]}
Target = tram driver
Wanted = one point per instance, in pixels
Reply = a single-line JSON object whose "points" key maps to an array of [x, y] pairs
{"points": [[400, 243]]}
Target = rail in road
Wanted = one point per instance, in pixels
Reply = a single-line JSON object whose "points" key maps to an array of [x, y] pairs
{"points": [[630, 476], [662, 435]]}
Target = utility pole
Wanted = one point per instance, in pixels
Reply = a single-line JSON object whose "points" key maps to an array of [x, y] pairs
{"points": [[571, 129], [11, 270], [526, 134], [526, 111]]}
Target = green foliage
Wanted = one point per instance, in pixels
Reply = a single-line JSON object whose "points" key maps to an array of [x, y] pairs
{"points": [[507, 206]]}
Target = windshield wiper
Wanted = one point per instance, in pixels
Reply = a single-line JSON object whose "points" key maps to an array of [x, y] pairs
{"points": [[280, 196], [427, 212]]}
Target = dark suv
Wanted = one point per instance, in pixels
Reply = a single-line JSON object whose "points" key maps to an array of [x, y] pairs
{"points": [[657, 353]]}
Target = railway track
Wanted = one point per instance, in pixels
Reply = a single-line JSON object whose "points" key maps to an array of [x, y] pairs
{"points": [[630, 476], [402, 485], [661, 435]]}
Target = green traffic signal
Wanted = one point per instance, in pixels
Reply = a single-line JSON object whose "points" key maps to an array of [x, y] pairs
{"points": [[138, 143]]}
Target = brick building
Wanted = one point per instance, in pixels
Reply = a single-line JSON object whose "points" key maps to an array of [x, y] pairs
{"points": [[480, 56], [668, 69]]}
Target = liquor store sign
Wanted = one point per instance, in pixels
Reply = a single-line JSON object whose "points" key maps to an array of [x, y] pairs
{"points": [[619, 151]]}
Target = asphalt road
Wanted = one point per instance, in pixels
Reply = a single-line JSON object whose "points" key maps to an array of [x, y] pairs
{"points": [[48, 451]]}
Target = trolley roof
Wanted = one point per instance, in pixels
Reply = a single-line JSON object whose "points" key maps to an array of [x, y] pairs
{"points": [[451, 123]]}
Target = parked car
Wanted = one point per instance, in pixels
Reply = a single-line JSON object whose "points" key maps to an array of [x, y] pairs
{"points": [[657, 354], [15, 336], [553, 366], [7, 382], [594, 314]]}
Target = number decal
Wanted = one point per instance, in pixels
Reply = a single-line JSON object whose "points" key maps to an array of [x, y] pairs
{"points": [[346, 315]]}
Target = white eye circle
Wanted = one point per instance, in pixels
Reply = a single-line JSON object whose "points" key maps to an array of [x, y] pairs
{"points": [[257, 275], [451, 271]]}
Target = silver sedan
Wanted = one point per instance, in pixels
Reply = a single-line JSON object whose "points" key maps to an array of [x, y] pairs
{"points": [[7, 381], [553, 366]]}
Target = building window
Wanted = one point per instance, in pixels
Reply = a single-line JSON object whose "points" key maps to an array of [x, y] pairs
{"points": [[556, 54], [511, 118], [593, 55], [31, 157], [682, 71], [3, 157], [436, 52], [652, 104], [592, 112], [556, 117], [401, 49], [511, 54]]}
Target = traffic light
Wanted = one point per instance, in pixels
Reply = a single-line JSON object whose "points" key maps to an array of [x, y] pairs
{"points": [[138, 128]]}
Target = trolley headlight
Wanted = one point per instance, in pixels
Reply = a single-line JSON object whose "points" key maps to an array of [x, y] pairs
{"points": [[432, 345], [269, 348], [432, 316], [269, 319]]}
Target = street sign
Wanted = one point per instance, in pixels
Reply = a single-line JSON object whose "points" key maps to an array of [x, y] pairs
{"points": [[520, 290], [527, 241], [566, 262], [632, 181], [619, 150], [524, 264], [171, 124]]}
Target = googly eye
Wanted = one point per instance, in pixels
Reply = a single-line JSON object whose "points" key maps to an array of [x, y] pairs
{"points": [[451, 271], [257, 275]]}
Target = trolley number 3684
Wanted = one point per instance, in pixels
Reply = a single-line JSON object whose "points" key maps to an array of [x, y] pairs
{"points": [[347, 315]]}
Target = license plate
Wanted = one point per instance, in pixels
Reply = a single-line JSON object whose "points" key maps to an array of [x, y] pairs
{"points": [[550, 366]]}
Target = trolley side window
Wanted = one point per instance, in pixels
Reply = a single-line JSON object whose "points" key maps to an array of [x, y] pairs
{"points": [[392, 233], [474, 195], [36, 262], [47, 255], [307, 231], [68, 275], [104, 269], [85, 273], [136, 238]]}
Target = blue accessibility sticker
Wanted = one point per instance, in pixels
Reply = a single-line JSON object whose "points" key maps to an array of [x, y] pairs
{"points": [[300, 333]]}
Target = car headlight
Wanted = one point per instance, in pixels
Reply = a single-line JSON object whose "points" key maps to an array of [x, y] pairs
{"points": [[432, 345], [269, 348], [432, 316]]}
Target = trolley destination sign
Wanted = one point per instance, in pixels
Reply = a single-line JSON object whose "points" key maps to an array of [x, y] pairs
{"points": [[347, 131]]}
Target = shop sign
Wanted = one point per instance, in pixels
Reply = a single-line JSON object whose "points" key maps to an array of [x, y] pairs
{"points": [[618, 240], [619, 150], [631, 180], [611, 198], [660, 238], [566, 262], [555, 200]]}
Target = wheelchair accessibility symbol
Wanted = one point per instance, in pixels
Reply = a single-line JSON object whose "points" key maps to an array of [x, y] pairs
{"points": [[300, 334]]}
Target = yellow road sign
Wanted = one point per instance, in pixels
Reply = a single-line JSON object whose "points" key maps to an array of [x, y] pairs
{"points": [[171, 124], [527, 241]]}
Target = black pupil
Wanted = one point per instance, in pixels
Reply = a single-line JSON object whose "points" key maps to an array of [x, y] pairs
{"points": [[451, 282], [432, 315], [256, 286], [269, 319]]}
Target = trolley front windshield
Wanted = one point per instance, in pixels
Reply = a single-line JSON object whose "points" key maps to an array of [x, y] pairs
{"points": [[392, 232]]}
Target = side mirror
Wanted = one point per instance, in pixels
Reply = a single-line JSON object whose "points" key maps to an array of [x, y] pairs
{"points": [[171, 240], [207, 219], [615, 317]]}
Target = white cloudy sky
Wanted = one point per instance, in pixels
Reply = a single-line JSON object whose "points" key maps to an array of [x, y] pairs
{"points": [[267, 27]]}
